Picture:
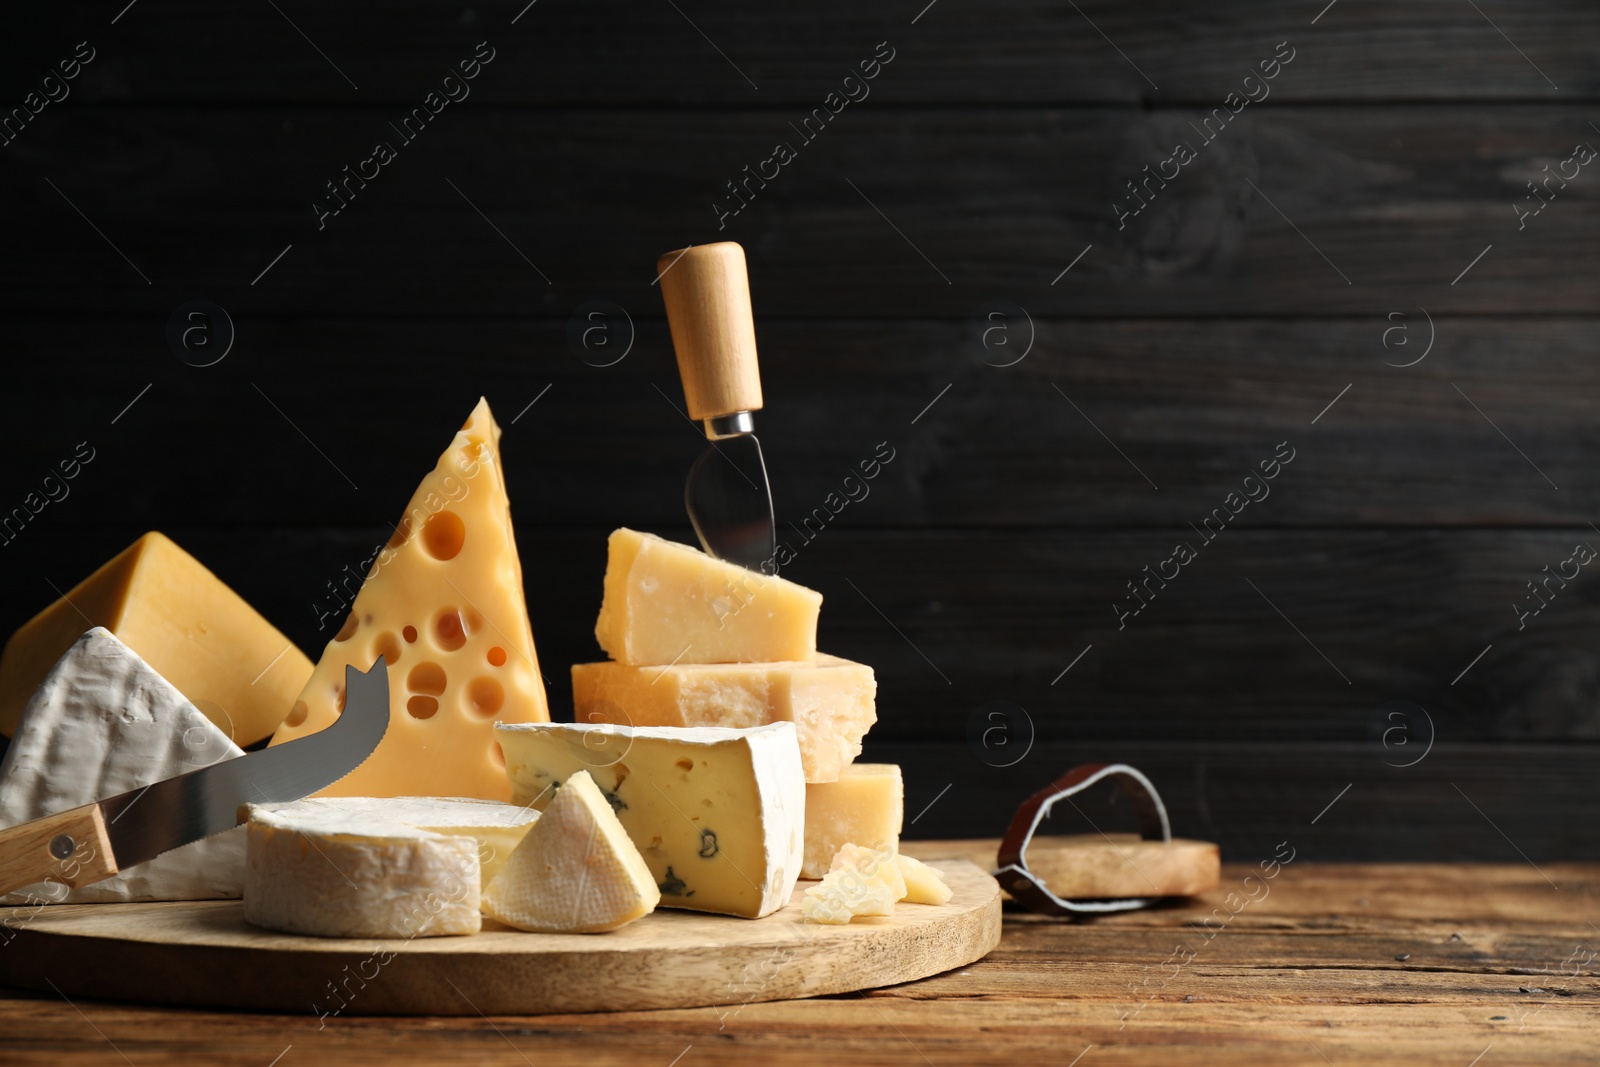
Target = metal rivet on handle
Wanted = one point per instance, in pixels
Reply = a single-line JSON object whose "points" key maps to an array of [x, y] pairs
{"points": [[62, 846]]}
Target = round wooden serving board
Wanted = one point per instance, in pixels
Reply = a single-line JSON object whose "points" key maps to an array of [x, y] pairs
{"points": [[203, 953]]}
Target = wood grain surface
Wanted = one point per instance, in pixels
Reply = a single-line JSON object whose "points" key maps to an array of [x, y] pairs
{"points": [[203, 953], [1402, 963], [1385, 208], [1118, 865], [1350, 266], [1014, 52]]}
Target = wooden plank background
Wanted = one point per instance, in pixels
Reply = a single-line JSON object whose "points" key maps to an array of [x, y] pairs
{"points": [[1355, 628]]}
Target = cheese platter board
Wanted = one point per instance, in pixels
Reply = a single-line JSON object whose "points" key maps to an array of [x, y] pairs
{"points": [[404, 827], [204, 954]]}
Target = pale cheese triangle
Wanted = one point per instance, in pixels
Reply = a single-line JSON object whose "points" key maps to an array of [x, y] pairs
{"points": [[576, 871], [103, 722], [924, 884], [443, 604]]}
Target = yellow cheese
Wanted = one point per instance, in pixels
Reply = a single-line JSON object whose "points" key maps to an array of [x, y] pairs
{"points": [[924, 884], [443, 604], [860, 881], [180, 619], [716, 813], [873, 863], [868, 881], [829, 700], [576, 872], [669, 603], [865, 806]]}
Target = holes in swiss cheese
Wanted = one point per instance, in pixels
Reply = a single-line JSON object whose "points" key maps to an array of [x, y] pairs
{"points": [[497, 656], [426, 681], [297, 714], [443, 535], [485, 696], [449, 630], [387, 646], [426, 677]]}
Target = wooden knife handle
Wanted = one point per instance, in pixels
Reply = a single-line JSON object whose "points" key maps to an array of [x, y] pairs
{"points": [[707, 292], [70, 847]]}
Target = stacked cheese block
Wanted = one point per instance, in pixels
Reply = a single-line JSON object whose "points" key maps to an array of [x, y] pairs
{"points": [[697, 642]]}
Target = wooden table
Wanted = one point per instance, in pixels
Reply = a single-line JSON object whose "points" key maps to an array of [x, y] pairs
{"points": [[1338, 963]]}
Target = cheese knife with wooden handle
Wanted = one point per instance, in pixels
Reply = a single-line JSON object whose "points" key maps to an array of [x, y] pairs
{"points": [[707, 293], [91, 843]]}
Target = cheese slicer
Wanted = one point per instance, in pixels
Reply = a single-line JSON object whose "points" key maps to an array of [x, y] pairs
{"points": [[94, 842], [706, 289]]}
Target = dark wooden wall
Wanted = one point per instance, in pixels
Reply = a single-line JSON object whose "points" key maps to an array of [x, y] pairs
{"points": [[1318, 643]]}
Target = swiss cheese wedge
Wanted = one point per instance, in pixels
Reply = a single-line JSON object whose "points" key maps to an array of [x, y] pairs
{"points": [[443, 605]]}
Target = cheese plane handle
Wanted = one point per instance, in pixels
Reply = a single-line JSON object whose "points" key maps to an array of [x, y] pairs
{"points": [[706, 289], [71, 847]]}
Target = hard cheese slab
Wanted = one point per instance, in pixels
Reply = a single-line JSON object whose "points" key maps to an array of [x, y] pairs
{"points": [[203, 953]]}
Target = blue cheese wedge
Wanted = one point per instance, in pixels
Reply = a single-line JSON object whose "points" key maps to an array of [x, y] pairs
{"points": [[717, 813], [104, 722]]}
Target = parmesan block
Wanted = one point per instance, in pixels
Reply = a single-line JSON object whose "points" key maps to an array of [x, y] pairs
{"points": [[103, 723], [866, 806], [443, 605], [669, 603], [577, 872], [391, 867], [180, 619], [831, 701], [717, 813]]}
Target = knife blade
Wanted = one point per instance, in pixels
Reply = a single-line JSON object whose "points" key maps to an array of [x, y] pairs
{"points": [[93, 842], [706, 289]]}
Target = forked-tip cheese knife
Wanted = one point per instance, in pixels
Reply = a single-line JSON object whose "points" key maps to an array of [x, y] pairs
{"points": [[707, 292], [93, 842]]}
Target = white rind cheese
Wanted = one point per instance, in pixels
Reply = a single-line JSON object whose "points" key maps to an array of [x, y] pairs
{"points": [[389, 867], [102, 723], [718, 814], [576, 872]]}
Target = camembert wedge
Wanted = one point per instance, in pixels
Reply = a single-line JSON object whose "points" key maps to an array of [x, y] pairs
{"points": [[576, 872], [102, 723]]}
